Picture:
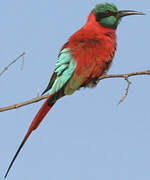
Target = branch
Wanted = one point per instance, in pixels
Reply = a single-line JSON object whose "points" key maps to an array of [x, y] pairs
{"points": [[127, 90], [124, 76], [6, 68], [15, 106]]}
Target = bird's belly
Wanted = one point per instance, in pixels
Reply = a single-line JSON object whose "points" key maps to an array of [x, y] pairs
{"points": [[88, 77], [98, 70]]}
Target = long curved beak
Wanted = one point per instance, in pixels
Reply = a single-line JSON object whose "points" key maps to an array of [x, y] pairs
{"points": [[129, 12]]}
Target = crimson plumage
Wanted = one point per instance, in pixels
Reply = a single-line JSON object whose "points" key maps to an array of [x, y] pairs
{"points": [[93, 47]]}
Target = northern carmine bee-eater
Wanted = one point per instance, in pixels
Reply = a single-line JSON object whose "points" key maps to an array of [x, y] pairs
{"points": [[86, 56]]}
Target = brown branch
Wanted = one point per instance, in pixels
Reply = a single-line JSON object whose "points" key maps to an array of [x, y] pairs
{"points": [[6, 68], [15, 106], [127, 90], [124, 76]]}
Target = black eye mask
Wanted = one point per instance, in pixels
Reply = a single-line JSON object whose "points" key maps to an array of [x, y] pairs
{"points": [[100, 16]]}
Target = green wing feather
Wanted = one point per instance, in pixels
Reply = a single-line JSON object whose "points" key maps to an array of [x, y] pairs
{"points": [[64, 69]]}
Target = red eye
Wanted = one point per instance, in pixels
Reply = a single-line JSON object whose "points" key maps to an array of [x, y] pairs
{"points": [[108, 12]]}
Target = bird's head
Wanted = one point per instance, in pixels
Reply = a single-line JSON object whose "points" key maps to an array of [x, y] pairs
{"points": [[109, 16]]}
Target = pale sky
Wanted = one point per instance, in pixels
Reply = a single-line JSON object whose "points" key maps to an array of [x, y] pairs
{"points": [[87, 135]]}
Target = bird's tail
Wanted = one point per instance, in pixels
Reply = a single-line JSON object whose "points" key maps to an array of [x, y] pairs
{"points": [[35, 123]]}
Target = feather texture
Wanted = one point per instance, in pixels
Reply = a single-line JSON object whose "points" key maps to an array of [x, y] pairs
{"points": [[65, 67]]}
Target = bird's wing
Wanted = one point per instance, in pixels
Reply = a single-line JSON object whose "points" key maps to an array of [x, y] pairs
{"points": [[64, 69]]}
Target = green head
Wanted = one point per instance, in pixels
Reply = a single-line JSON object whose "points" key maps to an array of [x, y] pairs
{"points": [[109, 16]]}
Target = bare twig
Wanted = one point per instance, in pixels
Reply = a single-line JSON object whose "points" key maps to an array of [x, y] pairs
{"points": [[127, 90], [5, 69], [15, 106], [124, 76], [22, 67], [38, 92]]}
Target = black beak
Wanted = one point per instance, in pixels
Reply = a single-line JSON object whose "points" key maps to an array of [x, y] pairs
{"points": [[129, 12]]}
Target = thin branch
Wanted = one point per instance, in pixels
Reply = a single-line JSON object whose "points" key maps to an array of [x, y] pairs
{"points": [[6, 68], [15, 106], [127, 90], [124, 76], [22, 67]]}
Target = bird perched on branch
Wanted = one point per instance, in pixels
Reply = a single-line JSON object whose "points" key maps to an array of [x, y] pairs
{"points": [[86, 56]]}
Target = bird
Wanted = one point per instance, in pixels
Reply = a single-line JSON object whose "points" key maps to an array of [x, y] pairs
{"points": [[86, 56]]}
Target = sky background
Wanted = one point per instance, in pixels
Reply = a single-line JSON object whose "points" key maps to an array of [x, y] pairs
{"points": [[86, 136]]}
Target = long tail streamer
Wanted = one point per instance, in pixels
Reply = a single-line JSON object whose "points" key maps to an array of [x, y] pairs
{"points": [[35, 123]]}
